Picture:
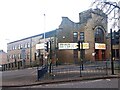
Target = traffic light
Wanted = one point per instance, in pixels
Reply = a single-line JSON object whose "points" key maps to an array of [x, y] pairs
{"points": [[116, 38], [78, 45], [46, 46]]}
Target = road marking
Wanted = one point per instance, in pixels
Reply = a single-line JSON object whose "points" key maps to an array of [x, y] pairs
{"points": [[34, 72], [108, 79], [29, 68], [93, 81]]}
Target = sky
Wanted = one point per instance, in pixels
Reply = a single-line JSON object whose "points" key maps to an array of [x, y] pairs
{"points": [[23, 18]]}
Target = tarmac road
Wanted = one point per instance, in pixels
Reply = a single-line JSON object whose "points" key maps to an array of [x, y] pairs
{"points": [[19, 76]]}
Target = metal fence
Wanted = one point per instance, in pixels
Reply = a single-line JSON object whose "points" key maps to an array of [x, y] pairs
{"points": [[85, 69]]}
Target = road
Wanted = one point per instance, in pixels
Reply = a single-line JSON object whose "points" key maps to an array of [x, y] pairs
{"points": [[19, 76], [100, 83]]}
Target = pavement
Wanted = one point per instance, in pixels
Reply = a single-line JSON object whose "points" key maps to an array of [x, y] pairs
{"points": [[50, 79]]}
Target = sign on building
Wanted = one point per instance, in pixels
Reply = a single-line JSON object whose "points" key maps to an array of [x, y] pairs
{"points": [[72, 45], [100, 46], [40, 46], [67, 45], [85, 45]]}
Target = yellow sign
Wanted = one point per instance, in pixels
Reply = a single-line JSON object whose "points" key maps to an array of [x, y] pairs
{"points": [[100, 46], [85, 45]]}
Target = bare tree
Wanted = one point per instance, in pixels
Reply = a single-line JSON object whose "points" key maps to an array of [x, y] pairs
{"points": [[110, 8]]}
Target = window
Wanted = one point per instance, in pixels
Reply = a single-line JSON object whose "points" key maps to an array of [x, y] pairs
{"points": [[15, 47], [10, 56], [19, 56], [28, 56], [28, 45], [81, 36], [19, 46], [13, 56], [99, 35], [75, 36], [25, 45]]}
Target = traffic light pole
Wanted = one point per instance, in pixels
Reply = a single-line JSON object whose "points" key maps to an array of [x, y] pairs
{"points": [[112, 64], [81, 54], [80, 61], [50, 58], [79, 49]]}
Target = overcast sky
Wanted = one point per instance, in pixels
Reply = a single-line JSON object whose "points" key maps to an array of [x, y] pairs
{"points": [[23, 18]]}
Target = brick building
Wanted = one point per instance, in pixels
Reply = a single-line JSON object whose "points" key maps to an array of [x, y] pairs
{"points": [[92, 27], [23, 53], [3, 58]]}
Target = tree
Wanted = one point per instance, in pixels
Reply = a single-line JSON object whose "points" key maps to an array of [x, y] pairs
{"points": [[110, 8]]}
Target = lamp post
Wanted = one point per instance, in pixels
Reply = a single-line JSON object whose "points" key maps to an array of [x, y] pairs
{"points": [[44, 55]]}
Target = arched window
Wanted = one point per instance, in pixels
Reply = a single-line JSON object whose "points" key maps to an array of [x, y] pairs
{"points": [[99, 35]]}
